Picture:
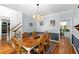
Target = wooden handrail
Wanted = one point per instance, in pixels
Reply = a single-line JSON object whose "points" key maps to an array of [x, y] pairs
{"points": [[76, 27], [15, 26]]}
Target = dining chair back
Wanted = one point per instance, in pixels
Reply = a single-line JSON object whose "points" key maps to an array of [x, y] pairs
{"points": [[16, 45], [47, 37], [41, 45], [47, 41], [25, 35], [33, 34]]}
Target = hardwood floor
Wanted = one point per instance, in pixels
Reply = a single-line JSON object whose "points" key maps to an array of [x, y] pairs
{"points": [[5, 48], [64, 47]]}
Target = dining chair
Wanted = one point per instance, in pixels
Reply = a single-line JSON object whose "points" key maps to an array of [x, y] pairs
{"points": [[47, 41], [17, 45], [33, 34], [25, 35], [40, 48]]}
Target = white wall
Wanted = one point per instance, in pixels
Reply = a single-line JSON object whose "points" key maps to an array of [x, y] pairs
{"points": [[46, 26], [15, 16], [57, 17], [67, 15], [25, 21]]}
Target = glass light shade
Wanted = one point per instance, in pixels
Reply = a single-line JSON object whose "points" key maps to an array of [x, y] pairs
{"points": [[34, 16], [41, 17], [37, 17]]}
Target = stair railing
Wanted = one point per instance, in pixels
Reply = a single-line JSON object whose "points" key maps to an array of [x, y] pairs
{"points": [[16, 28]]}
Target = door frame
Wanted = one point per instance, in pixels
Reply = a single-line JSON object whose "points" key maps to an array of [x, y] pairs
{"points": [[1, 18], [70, 28]]}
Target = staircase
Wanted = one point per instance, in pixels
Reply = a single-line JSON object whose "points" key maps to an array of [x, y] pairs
{"points": [[15, 30]]}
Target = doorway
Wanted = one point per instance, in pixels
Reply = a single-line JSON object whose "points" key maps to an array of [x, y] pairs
{"points": [[66, 29], [5, 32]]}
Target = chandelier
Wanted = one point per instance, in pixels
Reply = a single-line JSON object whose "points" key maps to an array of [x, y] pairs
{"points": [[37, 16]]}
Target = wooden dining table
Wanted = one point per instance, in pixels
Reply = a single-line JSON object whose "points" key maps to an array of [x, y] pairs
{"points": [[29, 43]]}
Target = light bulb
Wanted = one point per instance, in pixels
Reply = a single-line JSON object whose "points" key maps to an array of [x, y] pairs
{"points": [[34, 16]]}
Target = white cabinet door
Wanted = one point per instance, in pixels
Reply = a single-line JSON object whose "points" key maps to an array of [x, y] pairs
{"points": [[67, 34]]}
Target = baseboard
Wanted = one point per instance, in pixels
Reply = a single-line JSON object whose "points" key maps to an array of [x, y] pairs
{"points": [[54, 41], [74, 48]]}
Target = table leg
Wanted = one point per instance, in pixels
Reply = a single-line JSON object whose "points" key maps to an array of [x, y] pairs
{"points": [[28, 51]]}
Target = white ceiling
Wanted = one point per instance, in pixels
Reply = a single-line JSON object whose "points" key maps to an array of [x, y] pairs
{"points": [[45, 9]]}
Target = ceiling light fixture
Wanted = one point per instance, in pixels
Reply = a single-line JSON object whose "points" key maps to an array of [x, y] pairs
{"points": [[37, 16]]}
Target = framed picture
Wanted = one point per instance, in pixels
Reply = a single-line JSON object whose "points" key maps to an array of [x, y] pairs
{"points": [[30, 24], [41, 23], [52, 22]]}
